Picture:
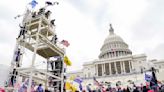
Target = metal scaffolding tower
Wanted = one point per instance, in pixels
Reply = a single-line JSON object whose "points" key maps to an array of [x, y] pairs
{"points": [[38, 35]]}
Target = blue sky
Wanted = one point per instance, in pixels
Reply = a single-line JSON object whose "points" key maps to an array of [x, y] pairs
{"points": [[85, 24]]}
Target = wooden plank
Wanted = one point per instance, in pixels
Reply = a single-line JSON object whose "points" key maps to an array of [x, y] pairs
{"points": [[26, 45]]}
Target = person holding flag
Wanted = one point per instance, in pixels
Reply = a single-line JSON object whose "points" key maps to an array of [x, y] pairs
{"points": [[32, 4], [152, 79], [153, 82]]}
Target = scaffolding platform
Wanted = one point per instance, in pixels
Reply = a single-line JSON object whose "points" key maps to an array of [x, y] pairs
{"points": [[38, 37], [45, 49]]}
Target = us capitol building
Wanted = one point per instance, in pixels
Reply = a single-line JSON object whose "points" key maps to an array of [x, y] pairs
{"points": [[117, 64]]}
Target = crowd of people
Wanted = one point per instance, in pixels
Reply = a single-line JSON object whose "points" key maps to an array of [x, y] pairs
{"points": [[127, 89]]}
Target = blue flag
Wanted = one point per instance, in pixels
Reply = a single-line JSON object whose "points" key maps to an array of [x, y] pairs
{"points": [[33, 3], [148, 77], [79, 81]]}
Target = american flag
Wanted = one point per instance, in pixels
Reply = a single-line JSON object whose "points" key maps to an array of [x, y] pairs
{"points": [[95, 82], [65, 43], [98, 84]]}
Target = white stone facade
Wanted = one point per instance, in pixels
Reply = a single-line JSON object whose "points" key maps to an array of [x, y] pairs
{"points": [[116, 63]]}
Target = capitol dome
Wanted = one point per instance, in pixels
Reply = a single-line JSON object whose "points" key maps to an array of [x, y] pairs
{"points": [[113, 38], [114, 46]]}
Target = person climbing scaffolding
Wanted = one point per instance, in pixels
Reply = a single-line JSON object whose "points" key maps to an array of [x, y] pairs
{"points": [[17, 58], [54, 39], [22, 31], [41, 11], [47, 14], [52, 65], [52, 22], [13, 77]]}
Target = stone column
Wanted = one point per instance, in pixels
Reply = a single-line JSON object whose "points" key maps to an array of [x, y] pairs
{"points": [[96, 70], [110, 69], [115, 67], [129, 66], [102, 69], [123, 67]]}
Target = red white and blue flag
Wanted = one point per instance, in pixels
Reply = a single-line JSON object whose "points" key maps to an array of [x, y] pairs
{"points": [[65, 43], [95, 82]]}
